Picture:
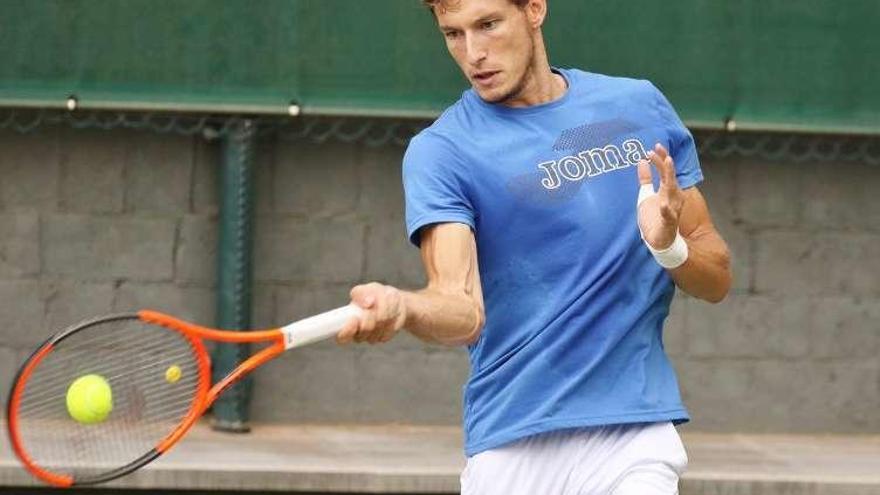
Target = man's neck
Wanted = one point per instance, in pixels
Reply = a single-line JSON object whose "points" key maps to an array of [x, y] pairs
{"points": [[542, 86]]}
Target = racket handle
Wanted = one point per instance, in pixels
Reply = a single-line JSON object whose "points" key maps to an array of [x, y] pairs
{"points": [[318, 327]]}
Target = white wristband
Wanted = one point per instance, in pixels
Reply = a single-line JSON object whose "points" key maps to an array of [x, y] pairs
{"points": [[672, 257], [676, 254]]}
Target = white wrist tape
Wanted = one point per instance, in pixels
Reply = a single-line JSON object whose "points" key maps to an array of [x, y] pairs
{"points": [[645, 192], [672, 257], [677, 253]]}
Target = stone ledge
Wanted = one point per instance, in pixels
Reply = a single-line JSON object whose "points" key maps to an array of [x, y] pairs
{"points": [[427, 460]]}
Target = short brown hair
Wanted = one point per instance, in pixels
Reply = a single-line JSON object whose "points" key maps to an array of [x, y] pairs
{"points": [[444, 3]]}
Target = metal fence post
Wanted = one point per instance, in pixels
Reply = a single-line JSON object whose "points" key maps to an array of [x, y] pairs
{"points": [[234, 270]]}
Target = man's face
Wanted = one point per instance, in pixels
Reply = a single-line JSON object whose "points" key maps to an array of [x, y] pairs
{"points": [[491, 41]]}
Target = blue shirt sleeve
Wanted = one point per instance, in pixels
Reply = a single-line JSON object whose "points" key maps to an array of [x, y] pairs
{"points": [[435, 186], [682, 146]]}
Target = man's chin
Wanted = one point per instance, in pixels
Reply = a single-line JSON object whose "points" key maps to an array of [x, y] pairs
{"points": [[491, 96]]}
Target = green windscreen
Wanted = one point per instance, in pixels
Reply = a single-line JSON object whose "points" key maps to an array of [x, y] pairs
{"points": [[805, 65]]}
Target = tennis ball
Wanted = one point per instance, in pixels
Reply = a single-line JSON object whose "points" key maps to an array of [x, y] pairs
{"points": [[89, 399], [172, 374]]}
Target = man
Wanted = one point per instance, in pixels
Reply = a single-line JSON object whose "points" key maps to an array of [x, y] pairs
{"points": [[547, 258]]}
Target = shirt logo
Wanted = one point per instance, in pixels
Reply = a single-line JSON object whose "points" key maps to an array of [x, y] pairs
{"points": [[592, 152], [591, 163]]}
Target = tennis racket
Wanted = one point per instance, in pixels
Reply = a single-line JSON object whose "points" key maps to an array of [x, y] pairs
{"points": [[153, 376]]}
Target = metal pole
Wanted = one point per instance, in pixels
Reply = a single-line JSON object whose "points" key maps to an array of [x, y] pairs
{"points": [[234, 271]]}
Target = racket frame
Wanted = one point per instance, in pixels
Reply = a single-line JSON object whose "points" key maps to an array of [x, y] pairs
{"points": [[296, 334]]}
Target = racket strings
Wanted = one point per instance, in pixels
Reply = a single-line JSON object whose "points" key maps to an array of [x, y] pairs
{"points": [[142, 341], [149, 397], [47, 399]]}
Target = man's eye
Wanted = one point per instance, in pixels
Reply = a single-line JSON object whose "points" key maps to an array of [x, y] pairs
{"points": [[451, 34], [490, 24]]}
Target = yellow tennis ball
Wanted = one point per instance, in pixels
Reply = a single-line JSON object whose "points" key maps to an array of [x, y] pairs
{"points": [[172, 374], [89, 399]]}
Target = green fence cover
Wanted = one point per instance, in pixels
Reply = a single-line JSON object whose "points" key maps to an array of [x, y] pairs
{"points": [[804, 65]]}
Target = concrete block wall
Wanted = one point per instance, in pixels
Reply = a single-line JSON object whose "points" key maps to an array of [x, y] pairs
{"points": [[94, 222], [331, 216], [108, 221], [796, 346]]}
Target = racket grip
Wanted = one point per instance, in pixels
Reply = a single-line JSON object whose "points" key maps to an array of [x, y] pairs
{"points": [[318, 327]]}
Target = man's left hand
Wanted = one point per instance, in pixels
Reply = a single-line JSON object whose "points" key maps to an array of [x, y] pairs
{"points": [[659, 215]]}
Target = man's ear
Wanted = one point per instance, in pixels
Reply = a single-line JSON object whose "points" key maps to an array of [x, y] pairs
{"points": [[536, 12]]}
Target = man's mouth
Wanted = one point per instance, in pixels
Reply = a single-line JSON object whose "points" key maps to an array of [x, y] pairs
{"points": [[485, 78]]}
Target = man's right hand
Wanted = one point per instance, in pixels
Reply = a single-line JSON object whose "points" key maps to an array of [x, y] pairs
{"points": [[449, 311], [383, 316]]}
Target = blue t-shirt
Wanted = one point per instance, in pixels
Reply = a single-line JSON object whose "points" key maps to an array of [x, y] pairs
{"points": [[574, 301]]}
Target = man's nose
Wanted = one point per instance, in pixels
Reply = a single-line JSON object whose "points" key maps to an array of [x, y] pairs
{"points": [[476, 50]]}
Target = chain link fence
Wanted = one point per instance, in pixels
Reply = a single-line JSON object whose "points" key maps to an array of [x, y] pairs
{"points": [[376, 132]]}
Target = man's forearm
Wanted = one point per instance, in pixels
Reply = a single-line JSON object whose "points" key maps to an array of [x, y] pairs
{"points": [[443, 318], [706, 273]]}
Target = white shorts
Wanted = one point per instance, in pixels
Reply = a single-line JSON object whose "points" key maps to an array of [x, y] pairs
{"points": [[636, 459]]}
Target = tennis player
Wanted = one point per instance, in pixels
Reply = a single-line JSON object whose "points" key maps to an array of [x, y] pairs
{"points": [[556, 211]]}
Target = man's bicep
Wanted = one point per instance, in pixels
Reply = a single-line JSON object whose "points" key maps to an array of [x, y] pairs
{"points": [[449, 253]]}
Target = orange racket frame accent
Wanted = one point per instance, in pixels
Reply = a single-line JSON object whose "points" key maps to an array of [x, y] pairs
{"points": [[206, 396], [14, 437], [299, 333], [205, 393]]}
